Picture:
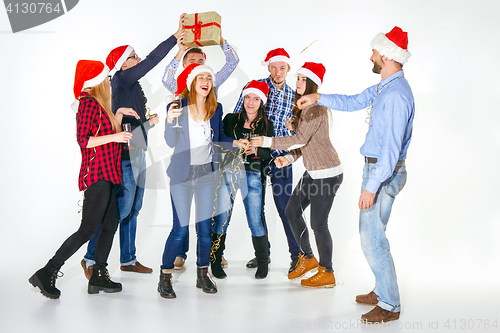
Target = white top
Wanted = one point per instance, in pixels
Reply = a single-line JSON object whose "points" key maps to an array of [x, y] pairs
{"points": [[200, 135]]}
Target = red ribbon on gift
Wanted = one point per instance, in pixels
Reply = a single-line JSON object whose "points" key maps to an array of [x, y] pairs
{"points": [[196, 28]]}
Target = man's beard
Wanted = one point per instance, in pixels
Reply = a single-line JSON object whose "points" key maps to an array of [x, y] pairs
{"points": [[376, 68]]}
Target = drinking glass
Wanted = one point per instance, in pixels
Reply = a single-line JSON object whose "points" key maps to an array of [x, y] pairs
{"points": [[127, 128]]}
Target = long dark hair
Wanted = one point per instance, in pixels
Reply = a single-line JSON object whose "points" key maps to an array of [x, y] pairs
{"points": [[259, 124], [311, 88]]}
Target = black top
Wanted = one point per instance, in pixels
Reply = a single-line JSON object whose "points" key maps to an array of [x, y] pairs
{"points": [[127, 92], [257, 162]]}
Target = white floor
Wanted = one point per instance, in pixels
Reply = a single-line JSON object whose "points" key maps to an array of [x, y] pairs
{"points": [[438, 294]]}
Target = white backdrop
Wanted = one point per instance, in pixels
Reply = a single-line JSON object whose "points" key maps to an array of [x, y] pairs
{"points": [[445, 225]]}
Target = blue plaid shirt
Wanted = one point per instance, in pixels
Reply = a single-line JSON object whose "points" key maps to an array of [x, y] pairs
{"points": [[278, 109], [232, 60]]}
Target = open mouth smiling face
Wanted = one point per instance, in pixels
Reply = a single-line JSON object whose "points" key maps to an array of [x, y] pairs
{"points": [[204, 83]]}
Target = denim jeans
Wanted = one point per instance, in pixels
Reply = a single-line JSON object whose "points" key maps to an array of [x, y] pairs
{"points": [[200, 185], [99, 210], [319, 194], [250, 184], [282, 184], [372, 226], [129, 195]]}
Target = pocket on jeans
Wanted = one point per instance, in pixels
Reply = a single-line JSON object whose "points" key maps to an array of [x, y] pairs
{"points": [[395, 186]]}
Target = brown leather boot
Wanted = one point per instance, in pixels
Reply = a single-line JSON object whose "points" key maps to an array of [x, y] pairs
{"points": [[367, 299], [379, 315]]}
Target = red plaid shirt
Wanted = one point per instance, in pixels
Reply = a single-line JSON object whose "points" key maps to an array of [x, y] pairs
{"points": [[102, 162]]}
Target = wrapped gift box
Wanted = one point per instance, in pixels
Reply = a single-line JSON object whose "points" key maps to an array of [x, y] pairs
{"points": [[202, 29]]}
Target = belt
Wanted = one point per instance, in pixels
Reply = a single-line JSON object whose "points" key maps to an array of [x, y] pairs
{"points": [[373, 160]]}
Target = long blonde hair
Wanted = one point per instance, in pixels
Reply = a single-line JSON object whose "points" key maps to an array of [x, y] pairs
{"points": [[210, 102], [102, 93]]}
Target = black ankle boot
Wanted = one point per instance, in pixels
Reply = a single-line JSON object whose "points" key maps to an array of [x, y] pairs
{"points": [[100, 281], [204, 282], [261, 253], [165, 285], [216, 259], [45, 280]]}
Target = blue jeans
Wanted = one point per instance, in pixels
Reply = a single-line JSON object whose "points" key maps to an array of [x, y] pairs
{"points": [[250, 184], [372, 226], [129, 195], [282, 184], [200, 185]]}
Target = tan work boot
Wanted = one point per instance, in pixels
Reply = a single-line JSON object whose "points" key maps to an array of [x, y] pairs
{"points": [[304, 265], [321, 279]]}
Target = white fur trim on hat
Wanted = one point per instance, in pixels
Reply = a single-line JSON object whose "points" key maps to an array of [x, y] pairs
{"points": [[389, 49], [276, 59], [97, 80], [123, 58], [256, 92], [197, 70], [310, 74]]}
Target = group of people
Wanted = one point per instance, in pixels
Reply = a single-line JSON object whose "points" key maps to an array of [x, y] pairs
{"points": [[214, 156]]}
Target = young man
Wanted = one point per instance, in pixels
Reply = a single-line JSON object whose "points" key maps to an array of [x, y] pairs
{"points": [[127, 92], [279, 109], [197, 56], [391, 108]]}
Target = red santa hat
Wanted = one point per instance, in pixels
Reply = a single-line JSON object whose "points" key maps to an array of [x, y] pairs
{"points": [[314, 71], [393, 45], [186, 77], [276, 55], [118, 56], [88, 74], [258, 88], [195, 71]]}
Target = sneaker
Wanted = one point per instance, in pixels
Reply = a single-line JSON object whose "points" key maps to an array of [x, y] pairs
{"points": [[367, 299], [303, 266], [179, 263], [379, 315], [321, 279]]}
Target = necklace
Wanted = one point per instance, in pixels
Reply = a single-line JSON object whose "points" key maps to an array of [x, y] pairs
{"points": [[379, 89]]}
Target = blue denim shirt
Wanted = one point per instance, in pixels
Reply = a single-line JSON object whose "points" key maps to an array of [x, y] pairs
{"points": [[391, 123]]}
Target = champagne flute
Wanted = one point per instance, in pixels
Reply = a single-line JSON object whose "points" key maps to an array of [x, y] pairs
{"points": [[127, 127], [254, 135], [177, 105], [246, 136]]}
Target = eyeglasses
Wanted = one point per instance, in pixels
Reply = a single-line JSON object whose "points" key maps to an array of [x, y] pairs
{"points": [[135, 56]]}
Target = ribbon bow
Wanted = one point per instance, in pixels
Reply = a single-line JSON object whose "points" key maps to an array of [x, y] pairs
{"points": [[196, 28]]}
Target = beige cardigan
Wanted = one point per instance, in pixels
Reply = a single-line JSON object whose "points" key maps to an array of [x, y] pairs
{"points": [[312, 141]]}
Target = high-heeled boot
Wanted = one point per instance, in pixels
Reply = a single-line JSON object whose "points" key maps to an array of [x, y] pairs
{"points": [[261, 253], [216, 260], [45, 280], [100, 281], [204, 282]]}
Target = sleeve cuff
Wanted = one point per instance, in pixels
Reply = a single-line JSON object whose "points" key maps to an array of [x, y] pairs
{"points": [[268, 141], [289, 158], [372, 186]]}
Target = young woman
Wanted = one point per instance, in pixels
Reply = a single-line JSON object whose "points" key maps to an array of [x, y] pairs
{"points": [[195, 139], [319, 183], [99, 137], [251, 120]]}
